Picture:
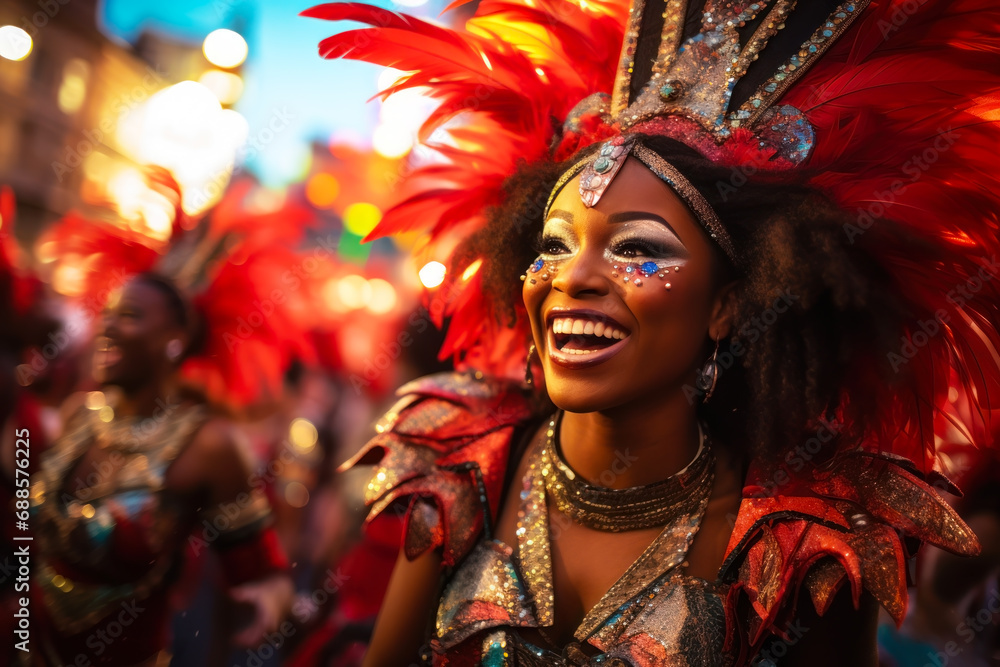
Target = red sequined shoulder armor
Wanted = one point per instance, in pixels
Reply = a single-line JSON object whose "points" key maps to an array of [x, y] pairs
{"points": [[855, 521], [445, 445]]}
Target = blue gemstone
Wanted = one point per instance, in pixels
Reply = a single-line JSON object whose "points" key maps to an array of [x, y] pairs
{"points": [[771, 87], [602, 165], [812, 48], [630, 269], [828, 33], [607, 149], [537, 266], [649, 268]]}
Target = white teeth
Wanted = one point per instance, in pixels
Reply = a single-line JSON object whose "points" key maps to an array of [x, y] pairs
{"points": [[566, 325], [571, 351]]}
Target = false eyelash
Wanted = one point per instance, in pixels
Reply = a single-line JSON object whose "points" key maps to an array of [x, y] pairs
{"points": [[543, 240], [651, 248]]}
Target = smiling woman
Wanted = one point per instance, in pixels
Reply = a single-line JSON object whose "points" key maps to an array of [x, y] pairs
{"points": [[713, 459]]}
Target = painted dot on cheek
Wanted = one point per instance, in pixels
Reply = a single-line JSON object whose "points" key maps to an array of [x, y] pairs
{"points": [[667, 286]]}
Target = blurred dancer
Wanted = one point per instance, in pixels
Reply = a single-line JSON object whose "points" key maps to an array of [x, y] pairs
{"points": [[143, 469]]}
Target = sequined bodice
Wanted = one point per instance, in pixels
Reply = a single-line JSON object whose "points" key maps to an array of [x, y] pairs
{"points": [[118, 538], [653, 615]]}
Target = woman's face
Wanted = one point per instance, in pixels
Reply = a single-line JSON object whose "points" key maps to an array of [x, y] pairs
{"points": [[623, 300], [132, 348]]}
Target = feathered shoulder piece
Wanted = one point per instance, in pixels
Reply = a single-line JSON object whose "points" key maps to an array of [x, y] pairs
{"points": [[854, 521], [444, 448]]}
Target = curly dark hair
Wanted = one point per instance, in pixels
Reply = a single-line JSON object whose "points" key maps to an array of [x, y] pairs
{"points": [[781, 372]]}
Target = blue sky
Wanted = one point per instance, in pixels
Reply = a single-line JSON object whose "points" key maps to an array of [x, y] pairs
{"points": [[283, 73]]}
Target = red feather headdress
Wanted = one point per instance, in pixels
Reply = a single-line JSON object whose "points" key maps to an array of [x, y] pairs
{"points": [[889, 107], [235, 265]]}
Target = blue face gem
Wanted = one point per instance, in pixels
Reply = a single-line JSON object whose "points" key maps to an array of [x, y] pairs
{"points": [[630, 269], [537, 266], [649, 268]]}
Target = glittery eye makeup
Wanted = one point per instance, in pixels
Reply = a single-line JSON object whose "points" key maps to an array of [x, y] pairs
{"points": [[643, 246]]}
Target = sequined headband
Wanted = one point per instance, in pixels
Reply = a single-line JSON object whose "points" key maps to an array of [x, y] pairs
{"points": [[599, 171]]}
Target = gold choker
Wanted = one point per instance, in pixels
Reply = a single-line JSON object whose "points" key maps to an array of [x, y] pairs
{"points": [[617, 510]]}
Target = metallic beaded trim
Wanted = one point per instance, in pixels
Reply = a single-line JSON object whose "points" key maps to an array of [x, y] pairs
{"points": [[790, 72], [635, 508], [702, 210]]}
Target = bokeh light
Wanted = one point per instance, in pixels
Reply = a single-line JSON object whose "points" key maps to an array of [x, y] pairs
{"points": [[184, 129], [73, 89], [296, 494], [360, 218], [432, 274], [322, 189], [15, 43], [303, 435], [68, 278], [354, 291], [226, 86], [225, 48], [392, 141], [96, 400], [383, 297]]}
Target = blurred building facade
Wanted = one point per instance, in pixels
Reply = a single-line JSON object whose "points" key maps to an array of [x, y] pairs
{"points": [[61, 106]]}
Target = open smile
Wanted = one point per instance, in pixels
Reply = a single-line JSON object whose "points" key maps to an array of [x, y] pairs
{"points": [[108, 353], [580, 338]]}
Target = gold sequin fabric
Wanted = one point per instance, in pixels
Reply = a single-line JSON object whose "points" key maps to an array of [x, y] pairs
{"points": [[839, 524], [653, 615], [446, 443], [81, 531]]}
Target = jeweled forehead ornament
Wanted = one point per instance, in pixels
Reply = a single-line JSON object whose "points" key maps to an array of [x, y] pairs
{"points": [[598, 171]]}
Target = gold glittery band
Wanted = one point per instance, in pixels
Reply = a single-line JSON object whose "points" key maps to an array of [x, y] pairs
{"points": [[669, 174]]}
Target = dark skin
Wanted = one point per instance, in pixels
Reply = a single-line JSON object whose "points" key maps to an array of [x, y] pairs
{"points": [[213, 468], [633, 399]]}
